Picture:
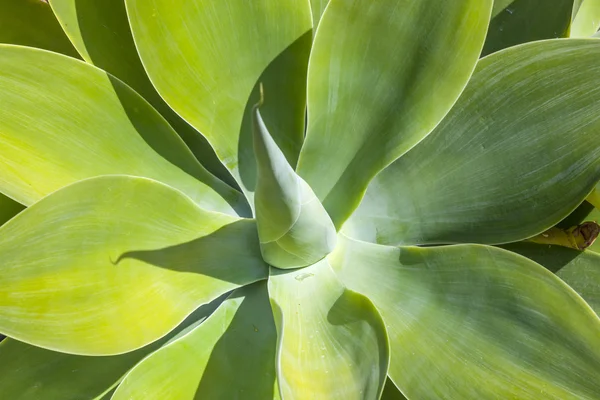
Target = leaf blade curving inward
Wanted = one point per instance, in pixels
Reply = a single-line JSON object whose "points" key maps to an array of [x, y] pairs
{"points": [[88, 123], [381, 76], [146, 267], [461, 315], [498, 168]]}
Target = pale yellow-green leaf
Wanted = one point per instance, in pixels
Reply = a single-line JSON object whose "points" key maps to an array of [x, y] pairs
{"points": [[110, 264]]}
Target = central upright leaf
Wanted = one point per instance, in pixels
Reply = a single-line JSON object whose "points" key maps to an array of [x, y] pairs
{"points": [[293, 227]]}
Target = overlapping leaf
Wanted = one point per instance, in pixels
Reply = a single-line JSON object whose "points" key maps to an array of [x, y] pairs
{"points": [[32, 373], [476, 322], [381, 77], [332, 341], [206, 57], [100, 32], [580, 270], [105, 266], [82, 122], [586, 18], [517, 153], [229, 356]]}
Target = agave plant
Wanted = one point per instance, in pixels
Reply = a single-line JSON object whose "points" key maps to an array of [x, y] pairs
{"points": [[292, 200]]}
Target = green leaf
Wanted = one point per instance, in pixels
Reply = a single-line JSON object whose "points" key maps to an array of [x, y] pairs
{"points": [[62, 120], [8, 208], [32, 23], [293, 227], [501, 167], [110, 264], [332, 341], [381, 76], [476, 322], [579, 269], [229, 356], [522, 21], [206, 58], [100, 32], [34, 373], [586, 19]]}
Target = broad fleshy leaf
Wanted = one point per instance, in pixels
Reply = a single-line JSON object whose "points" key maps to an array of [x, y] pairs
{"points": [[382, 75], [100, 32], [206, 57], [293, 227], [476, 322], [521, 21], [586, 18], [107, 265], [33, 373], [229, 356], [32, 23], [501, 167], [62, 120], [332, 341], [579, 269], [8, 208]]}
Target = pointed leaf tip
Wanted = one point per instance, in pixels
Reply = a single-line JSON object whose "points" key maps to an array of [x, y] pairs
{"points": [[293, 226]]}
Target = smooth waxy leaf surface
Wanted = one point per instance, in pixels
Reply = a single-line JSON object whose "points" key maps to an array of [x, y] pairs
{"points": [[476, 322], [33, 373], [32, 23], [521, 21], [100, 32], [586, 18], [293, 227], [62, 120], [206, 57], [499, 168], [381, 76], [8, 208], [332, 342], [579, 269], [109, 264], [229, 356]]}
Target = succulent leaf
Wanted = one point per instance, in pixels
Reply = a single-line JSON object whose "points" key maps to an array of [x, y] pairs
{"points": [[82, 122], [332, 341], [206, 59], [586, 18], [100, 31], [461, 315], [293, 227], [501, 167], [104, 266], [382, 75], [231, 355], [579, 269], [33, 373]]}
